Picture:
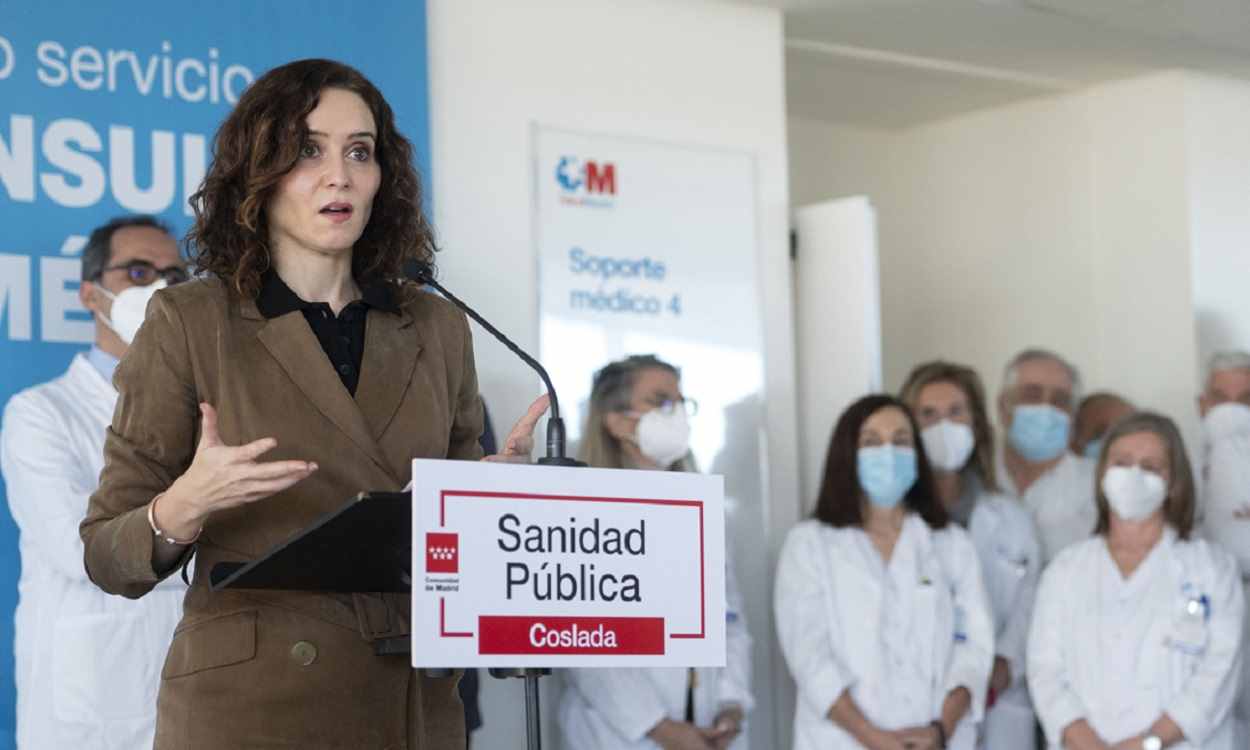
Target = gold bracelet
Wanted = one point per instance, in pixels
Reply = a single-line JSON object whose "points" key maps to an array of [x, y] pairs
{"points": [[156, 531]]}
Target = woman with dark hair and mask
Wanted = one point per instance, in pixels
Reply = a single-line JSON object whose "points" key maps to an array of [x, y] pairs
{"points": [[881, 613], [639, 419], [298, 344], [1136, 635]]}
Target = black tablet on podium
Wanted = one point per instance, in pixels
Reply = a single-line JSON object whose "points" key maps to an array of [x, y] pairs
{"points": [[363, 547]]}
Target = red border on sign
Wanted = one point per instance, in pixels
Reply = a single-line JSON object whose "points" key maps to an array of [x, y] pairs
{"points": [[442, 622], [442, 521]]}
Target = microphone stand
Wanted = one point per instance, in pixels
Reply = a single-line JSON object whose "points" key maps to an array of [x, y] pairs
{"points": [[556, 450]]}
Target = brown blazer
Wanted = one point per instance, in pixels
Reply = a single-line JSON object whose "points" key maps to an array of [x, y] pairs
{"points": [[262, 669]]}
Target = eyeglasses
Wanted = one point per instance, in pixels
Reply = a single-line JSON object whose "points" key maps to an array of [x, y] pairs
{"points": [[1037, 394], [142, 273], [669, 406]]}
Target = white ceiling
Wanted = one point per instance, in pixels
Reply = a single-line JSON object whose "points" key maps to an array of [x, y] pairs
{"points": [[896, 63]]}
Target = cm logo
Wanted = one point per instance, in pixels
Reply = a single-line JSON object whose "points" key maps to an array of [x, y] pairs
{"points": [[575, 175]]}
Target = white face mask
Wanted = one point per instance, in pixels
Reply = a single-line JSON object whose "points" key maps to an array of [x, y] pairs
{"points": [[1226, 420], [130, 305], [1133, 492], [948, 445], [664, 436]]}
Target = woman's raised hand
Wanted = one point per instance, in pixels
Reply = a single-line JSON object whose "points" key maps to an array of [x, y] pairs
{"points": [[519, 444], [223, 476]]}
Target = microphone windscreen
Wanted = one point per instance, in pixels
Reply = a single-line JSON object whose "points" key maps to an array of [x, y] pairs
{"points": [[418, 270]]}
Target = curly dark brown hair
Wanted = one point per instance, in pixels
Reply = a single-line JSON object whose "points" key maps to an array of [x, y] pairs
{"points": [[260, 142]]}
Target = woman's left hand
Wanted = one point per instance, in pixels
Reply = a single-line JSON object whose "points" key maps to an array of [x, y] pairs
{"points": [[519, 444], [1000, 677], [725, 727], [920, 738]]}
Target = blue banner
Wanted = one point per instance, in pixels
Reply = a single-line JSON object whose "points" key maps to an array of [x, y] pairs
{"points": [[109, 109]]}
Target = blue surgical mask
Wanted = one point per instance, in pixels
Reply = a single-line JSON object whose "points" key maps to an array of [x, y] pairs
{"points": [[886, 473], [1039, 432], [1093, 449]]}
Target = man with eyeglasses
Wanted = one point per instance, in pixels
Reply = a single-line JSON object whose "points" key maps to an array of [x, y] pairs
{"points": [[126, 259], [1035, 408], [88, 664]]}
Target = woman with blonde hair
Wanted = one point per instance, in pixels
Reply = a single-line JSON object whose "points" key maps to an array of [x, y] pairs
{"points": [[1136, 636], [639, 419], [948, 401]]}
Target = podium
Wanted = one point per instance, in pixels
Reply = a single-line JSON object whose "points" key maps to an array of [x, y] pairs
{"points": [[518, 568], [363, 547]]}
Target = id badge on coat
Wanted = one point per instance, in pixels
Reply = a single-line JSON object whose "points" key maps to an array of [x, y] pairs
{"points": [[1188, 633], [960, 630], [1018, 564]]}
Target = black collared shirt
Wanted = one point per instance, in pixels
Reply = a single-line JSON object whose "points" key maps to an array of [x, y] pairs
{"points": [[342, 337]]}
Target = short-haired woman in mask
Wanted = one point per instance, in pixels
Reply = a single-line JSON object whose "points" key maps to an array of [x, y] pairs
{"points": [[639, 420], [1136, 635], [948, 401], [880, 608]]}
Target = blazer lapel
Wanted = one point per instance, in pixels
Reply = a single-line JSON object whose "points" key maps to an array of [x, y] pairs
{"points": [[292, 343], [390, 359]]}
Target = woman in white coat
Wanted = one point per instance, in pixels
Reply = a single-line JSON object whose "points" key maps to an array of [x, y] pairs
{"points": [[881, 612], [639, 420], [948, 401], [1136, 634]]}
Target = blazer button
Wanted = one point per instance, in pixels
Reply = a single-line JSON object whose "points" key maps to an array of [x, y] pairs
{"points": [[303, 653]]}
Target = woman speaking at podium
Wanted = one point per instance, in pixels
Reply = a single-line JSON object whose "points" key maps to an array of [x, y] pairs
{"points": [[293, 373]]}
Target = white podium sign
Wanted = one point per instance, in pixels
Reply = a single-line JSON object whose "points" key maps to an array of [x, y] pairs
{"points": [[535, 566]]}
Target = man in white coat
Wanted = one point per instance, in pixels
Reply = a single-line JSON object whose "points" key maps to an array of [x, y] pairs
{"points": [[88, 664], [1035, 408], [1225, 408]]}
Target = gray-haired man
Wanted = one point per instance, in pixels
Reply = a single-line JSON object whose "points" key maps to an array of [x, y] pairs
{"points": [[1035, 408]]}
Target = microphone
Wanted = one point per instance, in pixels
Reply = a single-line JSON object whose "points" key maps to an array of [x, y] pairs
{"points": [[420, 271]]}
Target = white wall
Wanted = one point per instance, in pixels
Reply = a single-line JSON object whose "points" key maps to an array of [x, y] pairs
{"points": [[838, 160], [1145, 345], [983, 226], [1217, 112], [837, 323], [985, 240], [687, 72], [1059, 222]]}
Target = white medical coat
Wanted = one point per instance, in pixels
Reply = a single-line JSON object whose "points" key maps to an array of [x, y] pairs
{"points": [[88, 663], [614, 708], [1226, 475], [1119, 653], [900, 636], [1061, 501], [1226, 491], [1011, 563]]}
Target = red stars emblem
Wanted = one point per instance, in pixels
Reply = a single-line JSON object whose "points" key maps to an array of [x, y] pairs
{"points": [[442, 553]]}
